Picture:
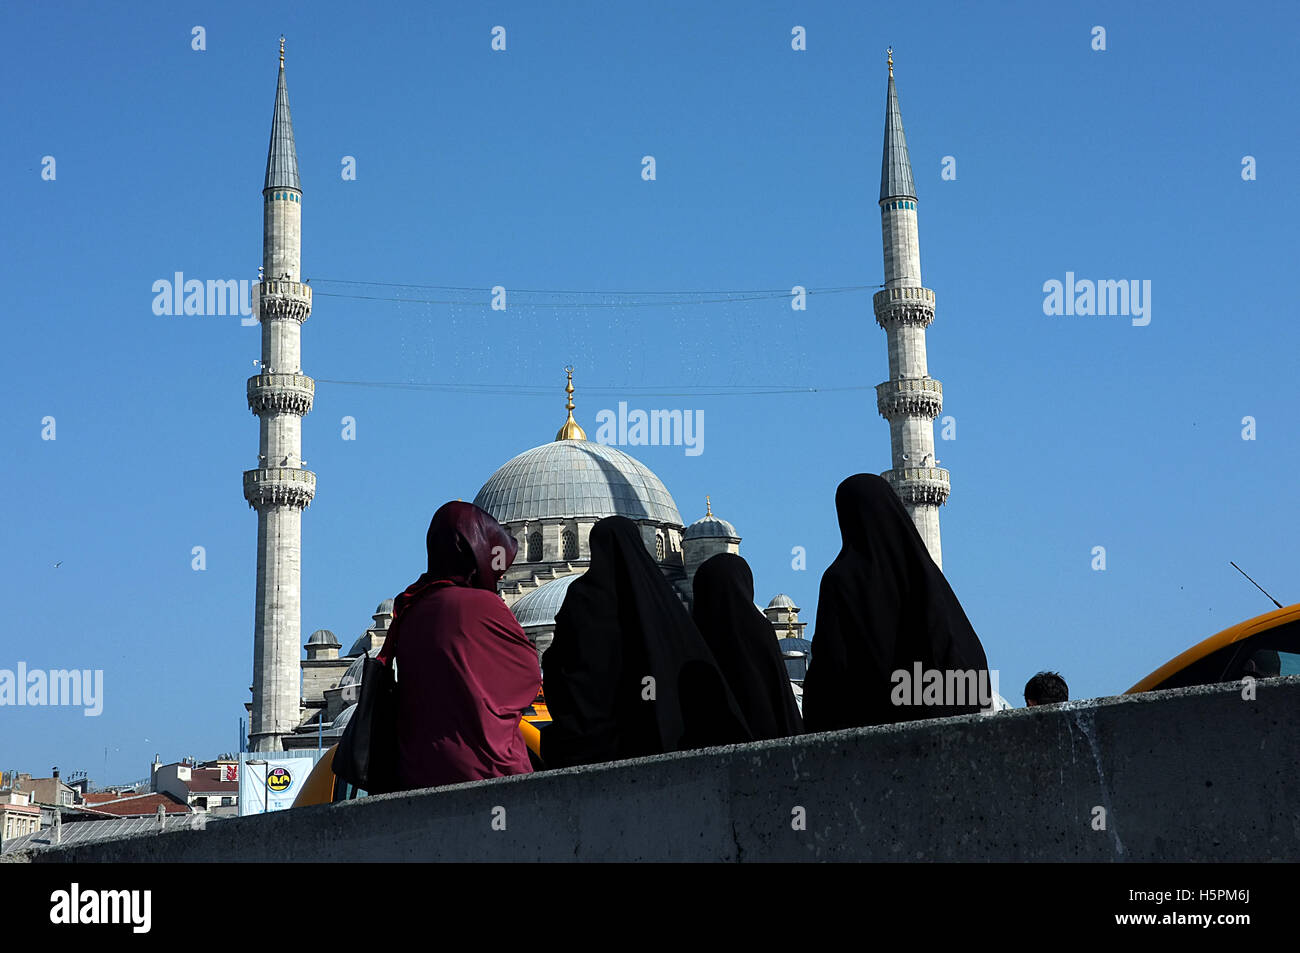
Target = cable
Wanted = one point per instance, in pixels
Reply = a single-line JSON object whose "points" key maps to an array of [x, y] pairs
{"points": [[480, 288], [723, 390], [730, 297]]}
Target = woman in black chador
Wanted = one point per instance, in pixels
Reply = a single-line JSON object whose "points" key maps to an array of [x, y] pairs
{"points": [[744, 646], [884, 606], [628, 674]]}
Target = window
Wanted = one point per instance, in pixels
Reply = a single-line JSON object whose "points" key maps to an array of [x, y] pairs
{"points": [[569, 540], [659, 546], [227, 802], [1268, 654], [535, 547]]}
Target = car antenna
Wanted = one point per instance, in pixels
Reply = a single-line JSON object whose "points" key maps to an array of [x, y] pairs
{"points": [[1253, 582]]}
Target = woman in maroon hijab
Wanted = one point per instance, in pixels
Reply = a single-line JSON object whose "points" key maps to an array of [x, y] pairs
{"points": [[465, 669]]}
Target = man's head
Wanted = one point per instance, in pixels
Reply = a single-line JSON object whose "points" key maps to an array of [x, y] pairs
{"points": [[1046, 688], [1263, 663]]}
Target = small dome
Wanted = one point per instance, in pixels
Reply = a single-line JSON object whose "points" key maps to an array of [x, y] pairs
{"points": [[384, 608], [797, 653], [710, 527], [782, 601], [540, 606], [323, 637]]}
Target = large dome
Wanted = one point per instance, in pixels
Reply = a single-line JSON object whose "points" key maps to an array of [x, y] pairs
{"points": [[576, 478]]}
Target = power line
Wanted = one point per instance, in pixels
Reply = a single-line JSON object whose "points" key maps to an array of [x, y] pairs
{"points": [[681, 296], [586, 291], [505, 390]]}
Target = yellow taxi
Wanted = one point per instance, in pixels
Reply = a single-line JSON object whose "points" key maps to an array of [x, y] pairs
{"points": [[1263, 647]]}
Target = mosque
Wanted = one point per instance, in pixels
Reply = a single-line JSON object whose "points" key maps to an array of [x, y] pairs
{"points": [[548, 497]]}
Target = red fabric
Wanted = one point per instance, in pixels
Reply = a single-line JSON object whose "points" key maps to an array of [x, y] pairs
{"points": [[466, 674]]}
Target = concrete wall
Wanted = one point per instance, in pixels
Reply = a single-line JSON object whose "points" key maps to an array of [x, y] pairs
{"points": [[1194, 774]]}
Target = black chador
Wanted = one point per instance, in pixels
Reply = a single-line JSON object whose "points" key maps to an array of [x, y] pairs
{"points": [[628, 674], [745, 647], [885, 615]]}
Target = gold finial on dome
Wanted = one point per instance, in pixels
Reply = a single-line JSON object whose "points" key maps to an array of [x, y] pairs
{"points": [[890, 52], [708, 508], [570, 430], [281, 51]]}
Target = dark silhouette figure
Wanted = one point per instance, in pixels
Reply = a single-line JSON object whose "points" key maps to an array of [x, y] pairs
{"points": [[745, 647], [885, 614]]}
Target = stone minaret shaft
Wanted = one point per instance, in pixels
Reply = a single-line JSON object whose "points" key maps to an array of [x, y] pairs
{"points": [[281, 487], [911, 398]]}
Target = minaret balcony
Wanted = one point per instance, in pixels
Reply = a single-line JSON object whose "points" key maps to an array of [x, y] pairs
{"points": [[281, 394], [903, 306], [917, 485], [279, 486], [910, 397], [281, 298]]}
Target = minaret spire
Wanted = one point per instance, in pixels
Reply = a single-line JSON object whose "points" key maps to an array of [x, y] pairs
{"points": [[282, 154], [896, 166], [281, 487], [911, 398], [570, 430]]}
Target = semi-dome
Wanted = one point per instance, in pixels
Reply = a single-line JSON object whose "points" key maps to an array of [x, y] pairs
{"points": [[576, 478], [709, 526], [540, 606], [354, 671], [384, 608], [323, 637], [341, 721]]}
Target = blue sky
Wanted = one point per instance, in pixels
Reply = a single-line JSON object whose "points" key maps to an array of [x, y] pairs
{"points": [[523, 168]]}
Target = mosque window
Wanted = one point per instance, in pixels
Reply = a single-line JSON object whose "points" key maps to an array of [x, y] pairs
{"points": [[659, 546], [569, 541], [535, 547]]}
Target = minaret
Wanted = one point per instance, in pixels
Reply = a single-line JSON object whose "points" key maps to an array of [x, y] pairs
{"points": [[911, 398], [280, 488]]}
